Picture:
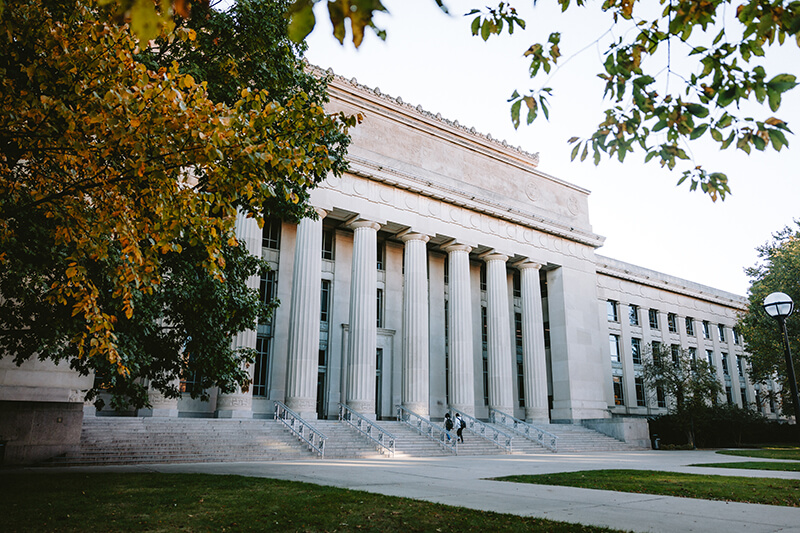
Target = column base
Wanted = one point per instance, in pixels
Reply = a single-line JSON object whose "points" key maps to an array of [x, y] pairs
{"points": [[232, 413], [466, 409], [157, 412], [537, 414]]}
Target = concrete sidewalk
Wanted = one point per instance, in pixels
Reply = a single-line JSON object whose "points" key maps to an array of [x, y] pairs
{"points": [[461, 481]]}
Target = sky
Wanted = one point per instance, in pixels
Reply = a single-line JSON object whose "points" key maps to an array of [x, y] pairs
{"points": [[431, 59]]}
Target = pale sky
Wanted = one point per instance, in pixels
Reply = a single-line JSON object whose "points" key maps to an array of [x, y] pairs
{"points": [[430, 59]]}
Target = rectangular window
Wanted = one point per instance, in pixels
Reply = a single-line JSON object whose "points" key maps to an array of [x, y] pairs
{"points": [[520, 370], [655, 346], [447, 350], [447, 271], [619, 397], [483, 276], [261, 373], [743, 392], [710, 359], [724, 360], [672, 322], [736, 339], [613, 341], [729, 394], [706, 329], [633, 314], [661, 398], [693, 357], [640, 392], [690, 326], [485, 343], [516, 278], [676, 353], [379, 314], [267, 290], [324, 301], [271, 234], [379, 255], [653, 316], [190, 381], [739, 365], [611, 309], [636, 350], [327, 244], [721, 330]]}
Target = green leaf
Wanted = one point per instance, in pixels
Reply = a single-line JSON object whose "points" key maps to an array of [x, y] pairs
{"points": [[476, 25], [697, 110], [301, 22], [515, 108], [778, 139], [698, 131]]}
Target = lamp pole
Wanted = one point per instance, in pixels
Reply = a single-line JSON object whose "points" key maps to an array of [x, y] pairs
{"points": [[779, 306]]}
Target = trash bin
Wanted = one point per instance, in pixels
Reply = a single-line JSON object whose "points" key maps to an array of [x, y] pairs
{"points": [[656, 442]]}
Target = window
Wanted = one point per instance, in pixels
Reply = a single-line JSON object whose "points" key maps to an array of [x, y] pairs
{"points": [[721, 330], [619, 397], [520, 374], [327, 244], [676, 353], [516, 278], [640, 392], [379, 314], [379, 255], [633, 314], [653, 316], [724, 359], [743, 392], [447, 271], [269, 284], [672, 322], [655, 347], [736, 339], [611, 309], [271, 234], [710, 359], [706, 329], [729, 394], [693, 357], [483, 276], [739, 366], [261, 373], [690, 326], [190, 380], [636, 350], [324, 301], [485, 343], [614, 345], [447, 349], [661, 398]]}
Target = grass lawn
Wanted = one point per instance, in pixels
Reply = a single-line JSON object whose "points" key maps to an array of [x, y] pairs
{"points": [[42, 502], [756, 465], [786, 454], [769, 491]]}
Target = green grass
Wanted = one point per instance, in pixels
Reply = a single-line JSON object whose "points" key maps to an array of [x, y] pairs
{"points": [[785, 454], [756, 465], [42, 502], [769, 491]]}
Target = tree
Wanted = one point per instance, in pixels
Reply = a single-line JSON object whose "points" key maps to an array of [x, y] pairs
{"points": [[682, 71], [777, 271], [121, 175], [691, 384]]}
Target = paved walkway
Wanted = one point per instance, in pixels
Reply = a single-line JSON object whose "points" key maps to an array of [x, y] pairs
{"points": [[462, 481]]}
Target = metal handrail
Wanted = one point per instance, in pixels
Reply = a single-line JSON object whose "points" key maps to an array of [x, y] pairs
{"points": [[524, 429], [425, 427], [367, 427], [315, 439], [494, 435]]}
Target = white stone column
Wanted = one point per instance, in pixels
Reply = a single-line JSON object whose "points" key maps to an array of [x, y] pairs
{"points": [[415, 377], [303, 349], [160, 405], [534, 363], [499, 345], [240, 404], [462, 388], [363, 319]]}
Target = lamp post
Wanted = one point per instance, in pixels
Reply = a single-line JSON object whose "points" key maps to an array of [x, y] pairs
{"points": [[779, 306]]}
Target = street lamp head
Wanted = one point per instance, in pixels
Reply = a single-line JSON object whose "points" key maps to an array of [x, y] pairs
{"points": [[778, 305]]}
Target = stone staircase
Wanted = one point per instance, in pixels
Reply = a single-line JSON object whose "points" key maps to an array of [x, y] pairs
{"points": [[122, 440]]}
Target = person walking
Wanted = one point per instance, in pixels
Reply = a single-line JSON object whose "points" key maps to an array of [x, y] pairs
{"points": [[448, 425], [460, 425]]}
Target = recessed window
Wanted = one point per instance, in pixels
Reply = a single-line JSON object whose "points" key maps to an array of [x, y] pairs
{"points": [[725, 370], [612, 311], [380, 255], [619, 397], [261, 373], [613, 341], [640, 392], [710, 359], [706, 329], [690, 326], [483, 276], [676, 353], [652, 314], [327, 244], [672, 322], [736, 338], [636, 350], [661, 398], [740, 366], [721, 330], [516, 278], [271, 234], [633, 314], [324, 300], [380, 308]]}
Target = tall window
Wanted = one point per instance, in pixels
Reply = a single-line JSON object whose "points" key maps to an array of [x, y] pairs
{"points": [[661, 398], [324, 301], [611, 307], [655, 346], [381, 252], [724, 359], [269, 283], [190, 380], [483, 276], [379, 314], [633, 314], [271, 234], [743, 392], [721, 330], [672, 322], [619, 397], [485, 343], [736, 338], [652, 314], [327, 244], [520, 372], [706, 329], [613, 341], [739, 366], [729, 394], [710, 359], [516, 278], [690, 326], [675, 349], [447, 350], [636, 350], [640, 392], [446, 270], [261, 373]]}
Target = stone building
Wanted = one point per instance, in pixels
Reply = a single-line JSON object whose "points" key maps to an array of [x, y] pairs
{"points": [[445, 271]]}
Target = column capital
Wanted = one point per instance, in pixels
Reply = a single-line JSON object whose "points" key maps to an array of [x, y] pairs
{"points": [[457, 247], [364, 223], [527, 263], [413, 236], [491, 255], [321, 212]]}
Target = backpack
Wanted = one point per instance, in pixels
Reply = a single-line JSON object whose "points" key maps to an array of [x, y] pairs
{"points": [[448, 424], [463, 424]]}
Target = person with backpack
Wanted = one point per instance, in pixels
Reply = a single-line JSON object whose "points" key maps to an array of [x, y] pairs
{"points": [[460, 425], [448, 425]]}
